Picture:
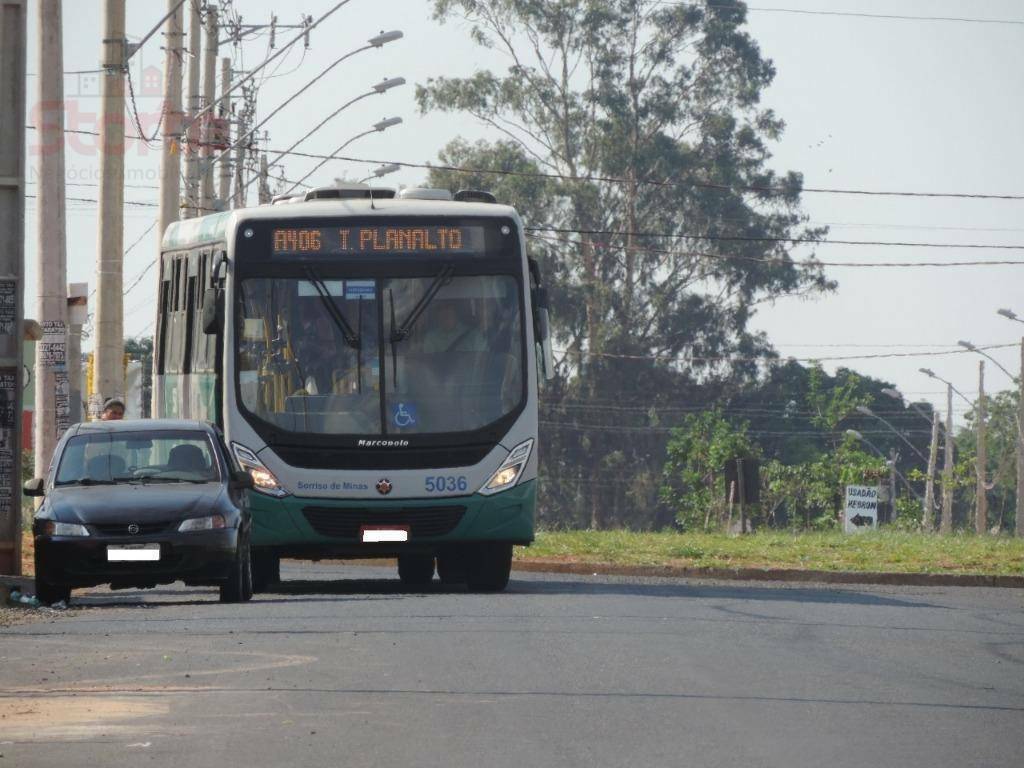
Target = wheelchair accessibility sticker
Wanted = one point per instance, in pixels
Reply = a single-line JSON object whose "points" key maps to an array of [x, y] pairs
{"points": [[404, 415]]}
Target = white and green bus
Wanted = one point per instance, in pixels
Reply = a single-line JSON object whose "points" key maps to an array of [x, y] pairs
{"points": [[373, 362]]}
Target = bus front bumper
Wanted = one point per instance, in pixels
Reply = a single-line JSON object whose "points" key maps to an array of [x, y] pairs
{"points": [[335, 525]]}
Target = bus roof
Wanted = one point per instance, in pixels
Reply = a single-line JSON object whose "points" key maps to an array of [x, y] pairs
{"points": [[217, 227]]}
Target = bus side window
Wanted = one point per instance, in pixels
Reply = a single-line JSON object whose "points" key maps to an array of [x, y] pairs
{"points": [[164, 320], [188, 311]]}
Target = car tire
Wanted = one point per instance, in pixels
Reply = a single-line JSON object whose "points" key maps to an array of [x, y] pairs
{"points": [[488, 567], [451, 567], [415, 570], [46, 592], [266, 568], [238, 587]]}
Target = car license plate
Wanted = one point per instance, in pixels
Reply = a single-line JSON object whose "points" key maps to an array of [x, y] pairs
{"points": [[122, 553], [382, 534]]}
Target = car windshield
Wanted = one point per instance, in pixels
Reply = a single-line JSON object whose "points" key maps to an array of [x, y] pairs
{"points": [[441, 353], [183, 456]]}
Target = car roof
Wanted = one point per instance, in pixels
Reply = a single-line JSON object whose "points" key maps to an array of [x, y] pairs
{"points": [[142, 425]]}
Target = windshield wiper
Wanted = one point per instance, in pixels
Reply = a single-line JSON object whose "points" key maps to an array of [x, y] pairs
{"points": [[402, 332], [87, 481], [347, 333]]}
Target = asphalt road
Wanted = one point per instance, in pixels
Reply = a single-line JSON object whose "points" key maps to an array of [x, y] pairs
{"points": [[340, 667]]}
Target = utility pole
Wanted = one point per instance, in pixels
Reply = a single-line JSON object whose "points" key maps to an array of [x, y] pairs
{"points": [[928, 518], [52, 387], [892, 486], [13, 25], [946, 524], [109, 345], [78, 315], [209, 97], [264, 185], [1018, 523], [193, 131], [981, 500], [224, 191], [244, 115], [170, 157]]}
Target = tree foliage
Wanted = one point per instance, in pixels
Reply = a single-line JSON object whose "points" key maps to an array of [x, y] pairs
{"points": [[647, 119]]}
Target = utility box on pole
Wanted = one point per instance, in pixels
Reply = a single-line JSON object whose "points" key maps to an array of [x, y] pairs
{"points": [[13, 29]]}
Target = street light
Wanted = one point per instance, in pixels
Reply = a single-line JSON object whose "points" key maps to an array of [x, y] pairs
{"points": [[863, 409], [382, 87], [383, 170], [972, 348], [373, 42], [383, 125], [1009, 314], [932, 375], [895, 394]]}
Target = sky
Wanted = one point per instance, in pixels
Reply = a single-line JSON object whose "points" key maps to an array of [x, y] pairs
{"points": [[879, 104]]}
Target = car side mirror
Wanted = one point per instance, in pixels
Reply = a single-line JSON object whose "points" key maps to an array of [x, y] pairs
{"points": [[213, 310], [35, 487], [242, 481]]}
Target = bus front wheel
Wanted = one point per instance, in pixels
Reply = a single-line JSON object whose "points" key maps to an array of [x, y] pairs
{"points": [[415, 570], [488, 567]]}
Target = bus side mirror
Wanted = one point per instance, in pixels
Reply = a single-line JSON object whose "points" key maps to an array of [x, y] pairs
{"points": [[213, 310], [242, 481], [34, 487], [542, 330]]}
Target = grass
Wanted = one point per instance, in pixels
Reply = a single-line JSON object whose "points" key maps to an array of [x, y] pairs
{"points": [[875, 551]]}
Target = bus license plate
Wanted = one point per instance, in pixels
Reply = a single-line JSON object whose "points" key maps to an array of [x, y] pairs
{"points": [[121, 553], [384, 534]]}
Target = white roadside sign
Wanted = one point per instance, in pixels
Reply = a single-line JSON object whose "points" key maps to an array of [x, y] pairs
{"points": [[861, 512]]}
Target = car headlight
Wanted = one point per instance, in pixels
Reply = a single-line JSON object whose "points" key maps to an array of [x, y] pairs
{"points": [[263, 479], [511, 469], [53, 528], [209, 523]]}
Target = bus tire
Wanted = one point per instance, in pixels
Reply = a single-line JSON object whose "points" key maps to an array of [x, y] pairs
{"points": [[415, 570], [451, 567], [266, 568], [488, 567]]}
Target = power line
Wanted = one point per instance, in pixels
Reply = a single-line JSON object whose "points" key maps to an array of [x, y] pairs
{"points": [[777, 359], [756, 239], [604, 179], [797, 262], [648, 182], [848, 14]]}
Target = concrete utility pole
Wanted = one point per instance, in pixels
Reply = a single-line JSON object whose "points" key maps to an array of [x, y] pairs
{"points": [[52, 395], [892, 486], [109, 344], [78, 315], [170, 158], [193, 128], [946, 524], [928, 518], [209, 97], [264, 186], [224, 191], [981, 499], [13, 27], [1018, 523], [243, 125]]}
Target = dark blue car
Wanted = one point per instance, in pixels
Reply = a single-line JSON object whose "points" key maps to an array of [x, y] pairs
{"points": [[134, 504]]}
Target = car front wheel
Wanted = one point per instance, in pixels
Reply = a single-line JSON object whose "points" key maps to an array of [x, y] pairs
{"points": [[238, 587], [46, 592]]}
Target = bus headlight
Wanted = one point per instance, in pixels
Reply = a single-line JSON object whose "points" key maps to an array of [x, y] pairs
{"points": [[508, 474], [262, 478]]}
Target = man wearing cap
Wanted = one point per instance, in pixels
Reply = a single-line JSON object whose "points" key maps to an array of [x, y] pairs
{"points": [[113, 410]]}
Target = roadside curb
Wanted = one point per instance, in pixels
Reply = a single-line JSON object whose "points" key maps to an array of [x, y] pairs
{"points": [[774, 574], [24, 584]]}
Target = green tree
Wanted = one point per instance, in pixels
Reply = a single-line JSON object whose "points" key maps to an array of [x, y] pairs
{"points": [[664, 99], [697, 454]]}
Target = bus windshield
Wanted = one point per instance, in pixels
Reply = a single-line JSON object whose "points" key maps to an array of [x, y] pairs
{"points": [[330, 355]]}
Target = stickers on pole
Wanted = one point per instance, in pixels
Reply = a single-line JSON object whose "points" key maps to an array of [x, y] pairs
{"points": [[861, 510]]}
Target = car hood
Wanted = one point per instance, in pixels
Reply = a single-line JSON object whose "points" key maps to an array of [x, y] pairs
{"points": [[132, 503]]}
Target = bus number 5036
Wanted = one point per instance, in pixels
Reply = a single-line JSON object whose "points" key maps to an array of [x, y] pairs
{"points": [[443, 483]]}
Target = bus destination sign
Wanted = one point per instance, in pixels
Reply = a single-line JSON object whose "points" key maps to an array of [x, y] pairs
{"points": [[379, 239]]}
